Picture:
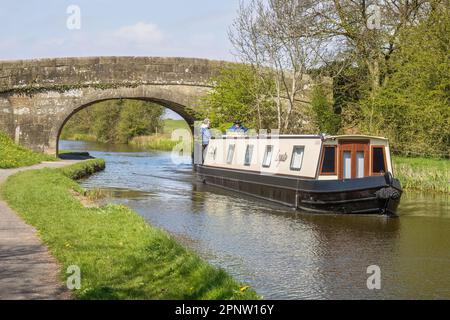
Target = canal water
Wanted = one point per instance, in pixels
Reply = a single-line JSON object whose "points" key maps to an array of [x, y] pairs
{"points": [[284, 254]]}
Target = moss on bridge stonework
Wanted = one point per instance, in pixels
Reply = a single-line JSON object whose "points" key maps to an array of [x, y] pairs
{"points": [[38, 96], [59, 72]]}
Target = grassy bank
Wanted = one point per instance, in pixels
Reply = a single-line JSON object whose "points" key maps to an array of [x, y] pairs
{"points": [[423, 174], [154, 142], [13, 155], [170, 125], [119, 254], [160, 141], [79, 137]]}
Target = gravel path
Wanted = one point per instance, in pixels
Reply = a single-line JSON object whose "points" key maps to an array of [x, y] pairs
{"points": [[27, 269]]}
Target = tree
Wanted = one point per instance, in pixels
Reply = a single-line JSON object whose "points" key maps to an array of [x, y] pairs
{"points": [[327, 120], [413, 109], [368, 31], [274, 37], [138, 118], [115, 121], [240, 94], [389, 61], [105, 118]]}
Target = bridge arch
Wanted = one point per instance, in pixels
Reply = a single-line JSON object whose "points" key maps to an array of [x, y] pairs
{"points": [[178, 109], [175, 99]]}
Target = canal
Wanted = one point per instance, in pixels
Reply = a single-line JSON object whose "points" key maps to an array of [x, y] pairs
{"points": [[282, 253]]}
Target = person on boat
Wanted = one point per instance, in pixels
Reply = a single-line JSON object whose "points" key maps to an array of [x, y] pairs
{"points": [[238, 127], [206, 135]]}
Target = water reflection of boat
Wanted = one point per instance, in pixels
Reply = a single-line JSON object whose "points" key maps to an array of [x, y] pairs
{"points": [[344, 174]]}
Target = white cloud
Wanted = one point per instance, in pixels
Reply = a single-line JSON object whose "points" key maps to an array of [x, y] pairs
{"points": [[136, 39], [140, 33]]}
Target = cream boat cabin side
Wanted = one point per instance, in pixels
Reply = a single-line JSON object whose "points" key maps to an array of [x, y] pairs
{"points": [[344, 174]]}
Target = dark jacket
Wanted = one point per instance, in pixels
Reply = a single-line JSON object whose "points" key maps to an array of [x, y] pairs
{"points": [[242, 129]]}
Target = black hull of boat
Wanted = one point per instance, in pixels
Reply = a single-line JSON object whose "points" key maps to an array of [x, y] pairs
{"points": [[369, 195]]}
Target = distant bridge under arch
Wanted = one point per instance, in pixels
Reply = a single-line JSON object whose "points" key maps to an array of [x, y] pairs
{"points": [[37, 97]]}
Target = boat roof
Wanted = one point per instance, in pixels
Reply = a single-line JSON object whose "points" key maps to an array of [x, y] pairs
{"points": [[259, 136], [304, 136], [357, 136]]}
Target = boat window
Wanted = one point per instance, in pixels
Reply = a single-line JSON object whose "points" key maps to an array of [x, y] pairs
{"points": [[360, 164], [347, 164], [248, 155], [378, 161], [297, 157], [329, 160], [211, 151], [267, 156], [230, 153]]}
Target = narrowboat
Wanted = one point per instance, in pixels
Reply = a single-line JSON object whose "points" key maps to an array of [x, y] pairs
{"points": [[350, 174]]}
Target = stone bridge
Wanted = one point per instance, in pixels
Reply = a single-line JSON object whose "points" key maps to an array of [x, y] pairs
{"points": [[37, 97]]}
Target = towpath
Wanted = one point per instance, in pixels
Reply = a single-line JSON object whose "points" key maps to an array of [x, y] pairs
{"points": [[27, 269]]}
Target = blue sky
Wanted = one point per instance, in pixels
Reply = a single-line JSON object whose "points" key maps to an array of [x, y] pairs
{"points": [[189, 28]]}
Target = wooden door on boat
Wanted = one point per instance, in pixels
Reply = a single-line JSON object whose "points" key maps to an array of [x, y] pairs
{"points": [[353, 159]]}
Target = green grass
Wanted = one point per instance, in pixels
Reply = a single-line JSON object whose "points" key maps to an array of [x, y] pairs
{"points": [[13, 155], [423, 173], [155, 142], [79, 137], [119, 254], [162, 141], [170, 125]]}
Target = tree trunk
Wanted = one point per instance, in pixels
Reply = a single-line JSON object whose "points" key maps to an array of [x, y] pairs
{"points": [[258, 108], [278, 103], [373, 67]]}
